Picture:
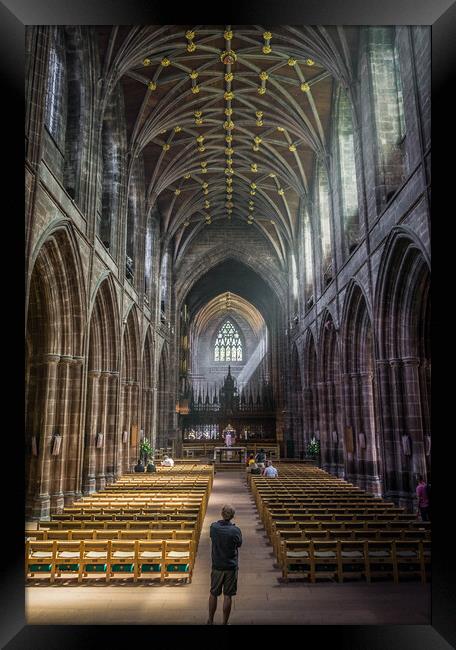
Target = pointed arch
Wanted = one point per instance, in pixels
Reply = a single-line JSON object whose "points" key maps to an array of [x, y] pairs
{"points": [[403, 323], [331, 419], [55, 333], [364, 449]]}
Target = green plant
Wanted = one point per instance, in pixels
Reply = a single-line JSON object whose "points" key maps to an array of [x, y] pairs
{"points": [[146, 449], [313, 448]]}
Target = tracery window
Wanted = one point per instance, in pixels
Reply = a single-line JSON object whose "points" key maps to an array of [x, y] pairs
{"points": [[55, 109], [228, 345]]}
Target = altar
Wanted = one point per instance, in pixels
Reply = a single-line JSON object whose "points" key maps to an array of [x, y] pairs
{"points": [[225, 454]]}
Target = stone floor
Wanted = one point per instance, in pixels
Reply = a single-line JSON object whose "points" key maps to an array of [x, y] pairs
{"points": [[262, 598]]}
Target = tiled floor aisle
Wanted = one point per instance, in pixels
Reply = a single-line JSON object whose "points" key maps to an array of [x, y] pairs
{"points": [[261, 598]]}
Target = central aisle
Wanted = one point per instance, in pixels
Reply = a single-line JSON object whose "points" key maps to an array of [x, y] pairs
{"points": [[262, 599]]}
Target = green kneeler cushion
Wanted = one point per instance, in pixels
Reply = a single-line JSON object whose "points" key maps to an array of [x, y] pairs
{"points": [[74, 568], [123, 568], [95, 567], [37, 568], [150, 568], [183, 568], [299, 567]]}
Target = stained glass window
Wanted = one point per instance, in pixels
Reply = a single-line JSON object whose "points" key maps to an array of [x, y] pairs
{"points": [[228, 345]]}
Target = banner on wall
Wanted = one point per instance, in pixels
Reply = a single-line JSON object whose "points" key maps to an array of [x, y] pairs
{"points": [[56, 443], [348, 436]]}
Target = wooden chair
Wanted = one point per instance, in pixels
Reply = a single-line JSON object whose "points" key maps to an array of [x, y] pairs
{"points": [[297, 558], [35, 535], [68, 558], [325, 559], [123, 559], [134, 534], [96, 558], [40, 558], [150, 558], [409, 558], [351, 558], [381, 560], [58, 535], [105, 535], [178, 559], [85, 534]]}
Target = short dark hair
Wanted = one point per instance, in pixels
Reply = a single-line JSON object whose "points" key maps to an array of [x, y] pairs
{"points": [[227, 512]]}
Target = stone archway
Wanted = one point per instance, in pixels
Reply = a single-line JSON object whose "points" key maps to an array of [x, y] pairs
{"points": [[363, 459], [310, 391], [101, 437], [331, 418], [404, 364], [54, 362]]}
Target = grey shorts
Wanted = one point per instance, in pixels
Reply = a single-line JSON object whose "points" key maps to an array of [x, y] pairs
{"points": [[226, 579]]}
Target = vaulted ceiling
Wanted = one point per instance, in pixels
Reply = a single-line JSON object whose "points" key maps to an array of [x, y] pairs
{"points": [[228, 119]]}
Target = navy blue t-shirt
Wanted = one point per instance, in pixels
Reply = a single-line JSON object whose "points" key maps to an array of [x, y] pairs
{"points": [[226, 539]]}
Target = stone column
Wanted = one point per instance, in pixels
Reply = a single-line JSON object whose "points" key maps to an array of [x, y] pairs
{"points": [[325, 452], [154, 414], [413, 415], [62, 424], [307, 409], [339, 420], [400, 493], [41, 500], [100, 452], [91, 430], [355, 409], [332, 426], [386, 422], [349, 421], [373, 482], [72, 487], [134, 420], [127, 420], [112, 430]]}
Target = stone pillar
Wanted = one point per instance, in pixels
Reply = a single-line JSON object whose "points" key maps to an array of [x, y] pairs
{"points": [[325, 452], [58, 463], [91, 431], [401, 470], [112, 430], [307, 410], [72, 486], [134, 420], [355, 409], [349, 444], [339, 419], [100, 452], [41, 500], [372, 478], [413, 414], [154, 414], [385, 418], [127, 420]]}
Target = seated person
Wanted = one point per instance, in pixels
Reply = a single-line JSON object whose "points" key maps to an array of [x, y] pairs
{"points": [[270, 471], [139, 467], [151, 467], [250, 460], [261, 458], [255, 469], [167, 461]]}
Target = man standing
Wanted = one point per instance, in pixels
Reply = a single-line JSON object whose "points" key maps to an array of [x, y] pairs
{"points": [[226, 538], [423, 499]]}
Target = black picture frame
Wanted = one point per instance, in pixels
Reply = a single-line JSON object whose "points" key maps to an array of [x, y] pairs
{"points": [[14, 15]]}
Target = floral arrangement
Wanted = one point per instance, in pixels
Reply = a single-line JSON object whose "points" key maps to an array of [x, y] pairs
{"points": [[313, 448], [146, 449]]}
